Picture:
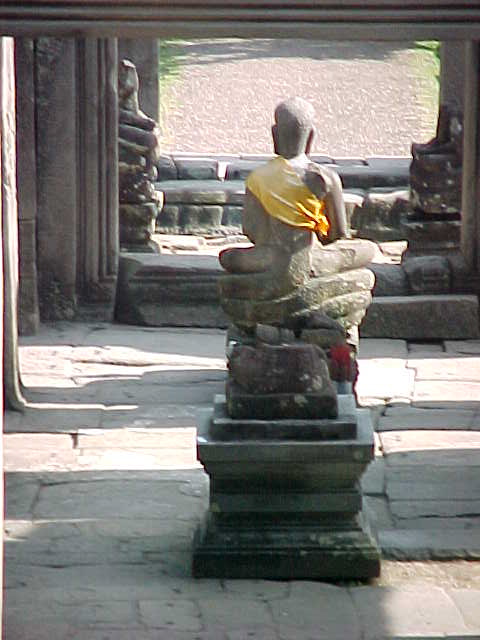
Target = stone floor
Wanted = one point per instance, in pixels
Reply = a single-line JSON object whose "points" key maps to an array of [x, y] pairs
{"points": [[104, 493]]}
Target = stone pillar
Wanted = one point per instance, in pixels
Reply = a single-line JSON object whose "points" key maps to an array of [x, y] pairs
{"points": [[470, 231], [452, 75], [77, 159], [57, 185], [8, 204], [144, 55], [98, 232], [29, 316]]}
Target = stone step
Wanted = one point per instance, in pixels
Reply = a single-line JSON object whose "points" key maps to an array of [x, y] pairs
{"points": [[422, 317]]}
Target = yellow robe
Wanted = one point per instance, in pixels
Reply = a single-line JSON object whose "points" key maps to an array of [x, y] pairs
{"points": [[283, 195]]}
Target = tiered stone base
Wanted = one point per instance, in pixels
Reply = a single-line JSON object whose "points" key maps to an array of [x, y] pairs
{"points": [[285, 508]]}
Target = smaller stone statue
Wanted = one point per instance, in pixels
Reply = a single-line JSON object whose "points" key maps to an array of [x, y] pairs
{"points": [[436, 169], [139, 150]]}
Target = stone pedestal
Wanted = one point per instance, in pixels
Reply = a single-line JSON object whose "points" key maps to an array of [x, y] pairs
{"points": [[285, 501]]}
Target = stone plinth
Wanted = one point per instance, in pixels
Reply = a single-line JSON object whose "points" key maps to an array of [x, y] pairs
{"points": [[169, 290], [283, 507]]}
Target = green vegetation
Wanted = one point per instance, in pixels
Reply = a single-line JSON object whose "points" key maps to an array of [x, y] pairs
{"points": [[433, 47], [170, 55]]}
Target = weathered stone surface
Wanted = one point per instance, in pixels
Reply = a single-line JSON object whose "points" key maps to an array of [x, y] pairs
{"points": [[232, 216], [431, 236], [266, 406], [428, 274], [382, 348], [196, 168], [294, 368], [296, 616], [384, 379], [241, 169], [427, 440], [410, 611], [379, 215], [185, 287], [453, 394], [367, 177], [167, 169], [423, 544], [422, 317], [390, 280], [224, 427], [399, 418], [439, 367]]}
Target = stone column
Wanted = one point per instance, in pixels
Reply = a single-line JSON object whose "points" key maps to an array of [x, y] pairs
{"points": [[144, 55], [8, 205], [57, 184], [470, 231], [98, 234], [77, 159], [29, 316], [452, 75]]}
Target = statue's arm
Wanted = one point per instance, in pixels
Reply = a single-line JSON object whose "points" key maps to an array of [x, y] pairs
{"points": [[327, 186]]}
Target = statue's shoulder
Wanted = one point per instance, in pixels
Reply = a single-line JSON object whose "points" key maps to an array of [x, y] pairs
{"points": [[319, 177]]}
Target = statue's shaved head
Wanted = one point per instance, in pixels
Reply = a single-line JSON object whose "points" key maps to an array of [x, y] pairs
{"points": [[294, 127]]}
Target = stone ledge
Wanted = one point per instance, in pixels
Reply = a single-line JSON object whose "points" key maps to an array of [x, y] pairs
{"points": [[425, 317]]}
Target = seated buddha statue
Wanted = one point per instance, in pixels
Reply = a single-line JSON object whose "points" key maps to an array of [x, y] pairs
{"points": [[300, 270]]}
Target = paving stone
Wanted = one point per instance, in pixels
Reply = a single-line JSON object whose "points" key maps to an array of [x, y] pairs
{"points": [[384, 378], [187, 392], [149, 416], [373, 480], [180, 615], [175, 438], [425, 349], [434, 508], [439, 392], [405, 441], [382, 348], [438, 523], [446, 368], [26, 529], [318, 610], [468, 347], [425, 544], [413, 418], [20, 497], [468, 602], [398, 612], [116, 498], [56, 417], [232, 612], [253, 633], [377, 513], [124, 458], [262, 589], [38, 452], [17, 629], [432, 483]]}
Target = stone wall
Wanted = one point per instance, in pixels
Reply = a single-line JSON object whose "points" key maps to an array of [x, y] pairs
{"points": [[204, 195]]}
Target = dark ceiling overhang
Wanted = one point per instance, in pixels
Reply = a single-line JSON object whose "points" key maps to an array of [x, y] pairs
{"points": [[320, 19]]}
